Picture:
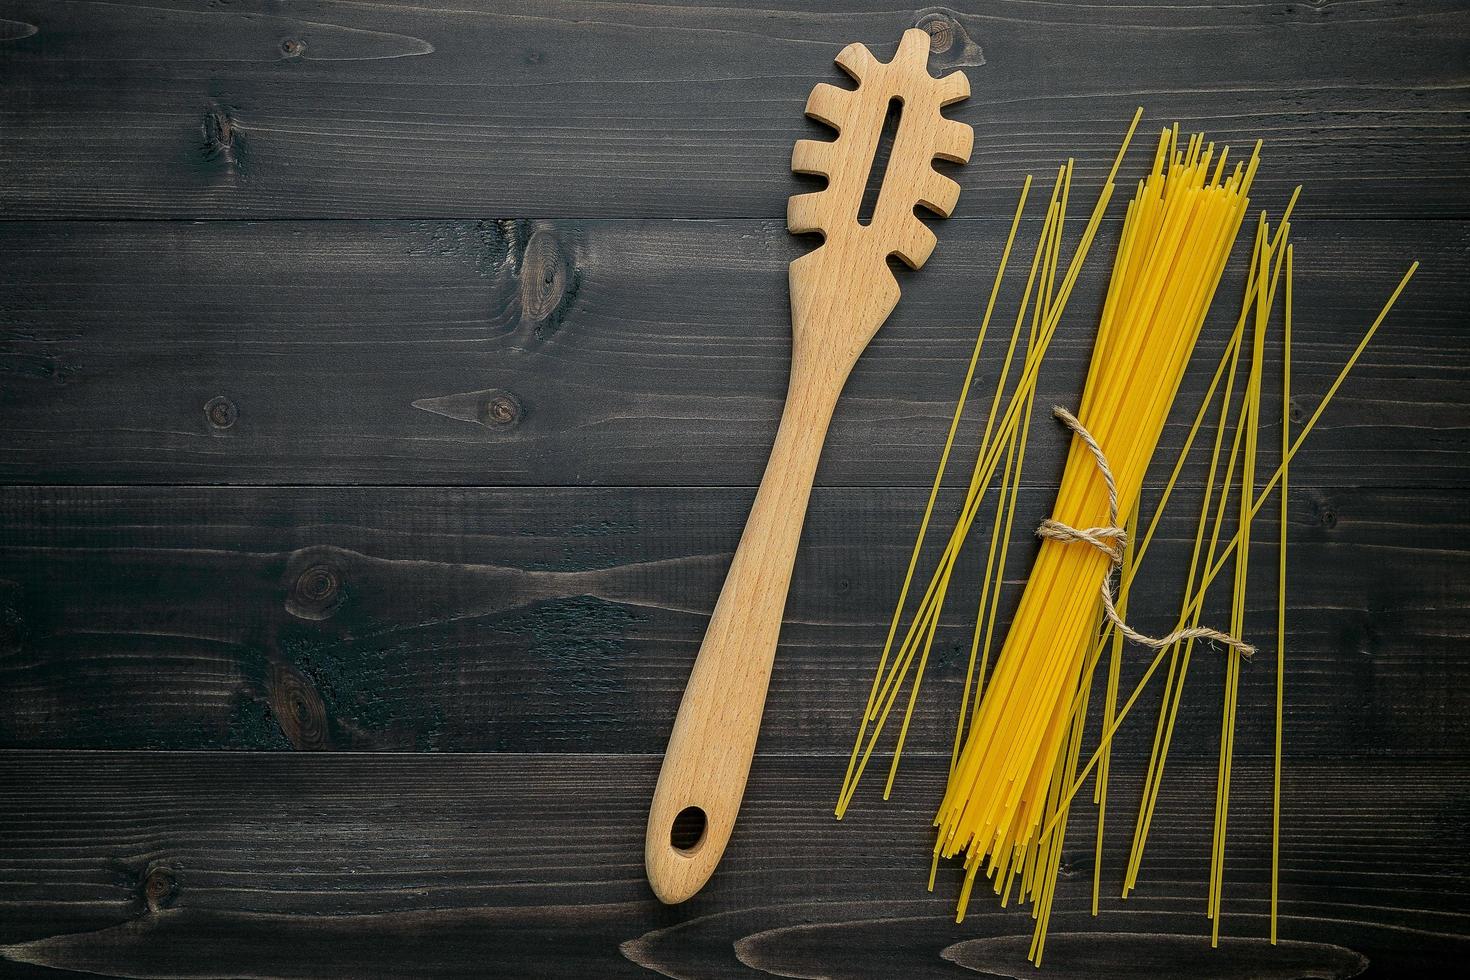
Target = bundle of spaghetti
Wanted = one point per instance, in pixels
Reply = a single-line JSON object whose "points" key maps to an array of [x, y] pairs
{"points": [[1011, 787], [1176, 237], [1004, 438], [1073, 781]]}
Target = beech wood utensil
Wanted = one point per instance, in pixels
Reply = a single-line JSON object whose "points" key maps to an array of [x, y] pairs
{"points": [[841, 292]]}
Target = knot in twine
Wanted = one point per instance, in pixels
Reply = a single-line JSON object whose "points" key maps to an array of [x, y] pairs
{"points": [[1111, 539]]}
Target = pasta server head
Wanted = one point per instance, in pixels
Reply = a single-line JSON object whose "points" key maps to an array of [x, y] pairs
{"points": [[842, 291]]}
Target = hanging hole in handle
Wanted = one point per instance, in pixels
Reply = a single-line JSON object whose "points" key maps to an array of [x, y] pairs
{"points": [[688, 830]]}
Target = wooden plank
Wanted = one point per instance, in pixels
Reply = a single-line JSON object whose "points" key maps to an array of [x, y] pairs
{"points": [[186, 865], [615, 352], [566, 620], [164, 108]]}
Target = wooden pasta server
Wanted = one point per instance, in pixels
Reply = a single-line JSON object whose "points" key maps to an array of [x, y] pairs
{"points": [[841, 292]]}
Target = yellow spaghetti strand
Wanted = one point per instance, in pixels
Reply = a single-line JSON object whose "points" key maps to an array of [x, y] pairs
{"points": [[981, 620], [1250, 425], [988, 616], [1042, 907], [926, 620], [1169, 705], [1281, 597], [1041, 252], [1010, 519], [936, 609], [932, 595], [943, 463], [1110, 706]]}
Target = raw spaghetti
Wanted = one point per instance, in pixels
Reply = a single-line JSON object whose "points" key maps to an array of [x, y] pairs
{"points": [[1014, 768]]}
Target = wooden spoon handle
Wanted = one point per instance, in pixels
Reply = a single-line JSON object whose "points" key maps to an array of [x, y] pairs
{"points": [[709, 753]]}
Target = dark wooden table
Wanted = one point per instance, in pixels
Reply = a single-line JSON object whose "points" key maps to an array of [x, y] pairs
{"points": [[391, 380]]}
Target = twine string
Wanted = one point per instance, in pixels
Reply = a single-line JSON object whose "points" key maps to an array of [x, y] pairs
{"points": [[1111, 539]]}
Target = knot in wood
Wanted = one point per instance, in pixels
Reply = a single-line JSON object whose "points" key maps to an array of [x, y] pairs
{"points": [[160, 887], [501, 410], [298, 708], [221, 412], [546, 277], [950, 44], [316, 592], [317, 584], [941, 32], [219, 135]]}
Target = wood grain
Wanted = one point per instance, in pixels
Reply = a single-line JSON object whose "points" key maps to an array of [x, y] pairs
{"points": [[566, 620], [622, 353], [166, 108], [182, 864], [465, 473]]}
